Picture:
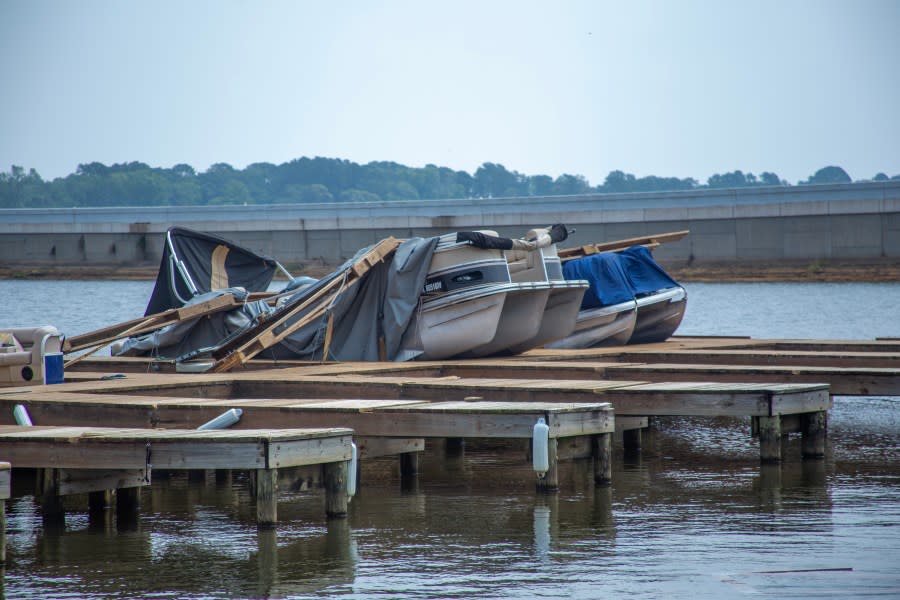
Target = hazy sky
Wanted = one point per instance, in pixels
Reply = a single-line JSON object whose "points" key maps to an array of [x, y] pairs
{"points": [[668, 88]]}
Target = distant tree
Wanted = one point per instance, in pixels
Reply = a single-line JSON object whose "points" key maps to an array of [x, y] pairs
{"points": [[19, 189], [359, 196], [314, 193], [567, 184], [729, 180], [828, 175], [618, 181], [540, 185], [492, 180], [183, 170], [767, 178], [880, 177]]}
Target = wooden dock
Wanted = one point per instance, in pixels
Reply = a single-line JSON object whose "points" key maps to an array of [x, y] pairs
{"points": [[381, 426], [783, 386], [5, 470], [94, 460]]}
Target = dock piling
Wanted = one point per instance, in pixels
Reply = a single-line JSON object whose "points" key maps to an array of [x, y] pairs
{"points": [[601, 448], [336, 498], [814, 428], [769, 438], [266, 498]]}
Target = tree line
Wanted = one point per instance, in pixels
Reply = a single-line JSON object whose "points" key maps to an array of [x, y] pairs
{"points": [[308, 180]]}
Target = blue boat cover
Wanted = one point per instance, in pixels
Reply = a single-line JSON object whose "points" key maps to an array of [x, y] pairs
{"points": [[608, 279], [645, 275], [617, 277]]}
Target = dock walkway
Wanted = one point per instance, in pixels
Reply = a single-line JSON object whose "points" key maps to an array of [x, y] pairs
{"points": [[94, 460]]}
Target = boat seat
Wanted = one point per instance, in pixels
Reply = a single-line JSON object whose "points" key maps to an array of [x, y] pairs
{"points": [[22, 351]]}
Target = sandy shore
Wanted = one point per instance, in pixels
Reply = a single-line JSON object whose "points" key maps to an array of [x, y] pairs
{"points": [[882, 270]]}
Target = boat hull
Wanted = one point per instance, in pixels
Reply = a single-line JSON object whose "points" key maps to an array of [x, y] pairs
{"points": [[521, 319], [455, 323], [604, 326], [658, 316], [560, 314]]}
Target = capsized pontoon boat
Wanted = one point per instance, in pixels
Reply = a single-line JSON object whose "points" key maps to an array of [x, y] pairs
{"points": [[470, 305]]}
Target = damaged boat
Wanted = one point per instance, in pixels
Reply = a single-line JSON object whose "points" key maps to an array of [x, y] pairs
{"points": [[462, 294]]}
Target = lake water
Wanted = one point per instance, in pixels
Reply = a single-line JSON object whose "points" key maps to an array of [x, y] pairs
{"points": [[695, 516]]}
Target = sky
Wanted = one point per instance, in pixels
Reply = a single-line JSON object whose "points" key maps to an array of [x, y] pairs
{"points": [[668, 88]]}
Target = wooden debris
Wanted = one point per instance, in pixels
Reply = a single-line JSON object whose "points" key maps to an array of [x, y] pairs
{"points": [[107, 335], [650, 241]]}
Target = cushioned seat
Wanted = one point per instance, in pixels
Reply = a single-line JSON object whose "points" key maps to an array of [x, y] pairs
{"points": [[22, 352]]}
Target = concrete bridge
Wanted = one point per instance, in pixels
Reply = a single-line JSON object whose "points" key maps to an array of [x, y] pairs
{"points": [[815, 222]]}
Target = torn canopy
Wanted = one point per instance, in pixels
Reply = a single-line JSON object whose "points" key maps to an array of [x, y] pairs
{"points": [[196, 263]]}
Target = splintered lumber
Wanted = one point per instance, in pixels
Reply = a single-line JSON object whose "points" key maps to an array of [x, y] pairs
{"points": [[263, 336], [615, 246], [106, 335]]}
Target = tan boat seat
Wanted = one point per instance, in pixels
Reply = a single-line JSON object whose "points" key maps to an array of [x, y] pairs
{"points": [[22, 351]]}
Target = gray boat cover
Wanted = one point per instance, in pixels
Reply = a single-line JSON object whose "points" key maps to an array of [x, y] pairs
{"points": [[380, 305]]}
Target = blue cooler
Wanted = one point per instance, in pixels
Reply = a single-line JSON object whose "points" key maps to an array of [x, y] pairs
{"points": [[53, 368]]}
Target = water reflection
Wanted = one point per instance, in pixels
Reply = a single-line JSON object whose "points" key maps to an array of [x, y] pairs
{"points": [[693, 514]]}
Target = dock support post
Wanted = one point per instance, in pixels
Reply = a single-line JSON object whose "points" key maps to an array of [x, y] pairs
{"points": [[51, 502], [128, 507], [99, 501], [99, 513], [5, 491], [769, 438], [223, 477], [409, 466], [2, 532], [631, 439], [550, 481], [814, 430], [266, 498], [336, 499], [601, 449], [454, 446]]}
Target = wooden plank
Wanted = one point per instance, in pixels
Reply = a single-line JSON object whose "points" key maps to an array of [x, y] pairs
{"points": [[5, 480], [295, 453], [574, 447], [624, 423], [867, 360], [83, 481], [37, 453], [843, 381], [566, 254], [148, 323], [566, 424], [223, 455], [373, 447]]}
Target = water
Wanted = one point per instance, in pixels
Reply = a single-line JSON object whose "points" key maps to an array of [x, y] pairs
{"points": [[695, 516]]}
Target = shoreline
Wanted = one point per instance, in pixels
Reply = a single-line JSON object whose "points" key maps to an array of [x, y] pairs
{"points": [[821, 271]]}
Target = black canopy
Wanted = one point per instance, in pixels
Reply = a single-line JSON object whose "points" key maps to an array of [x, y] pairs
{"points": [[195, 263]]}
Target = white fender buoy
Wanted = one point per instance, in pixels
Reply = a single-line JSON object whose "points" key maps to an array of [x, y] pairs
{"points": [[351, 473], [540, 442], [22, 416], [225, 420]]}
